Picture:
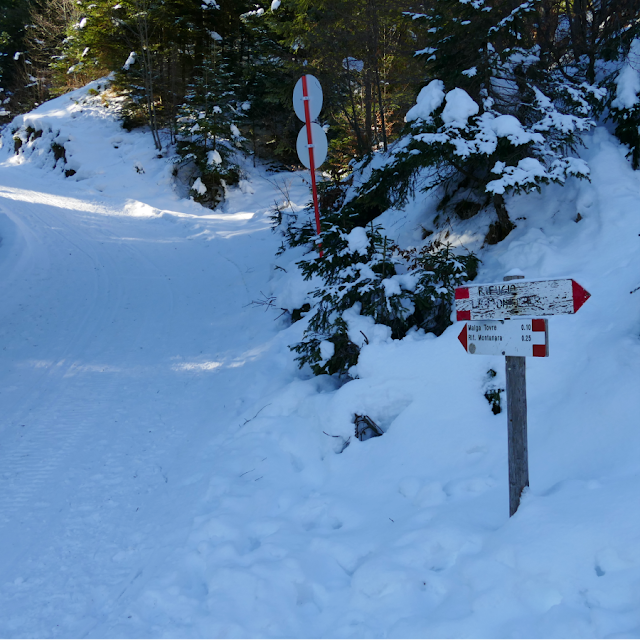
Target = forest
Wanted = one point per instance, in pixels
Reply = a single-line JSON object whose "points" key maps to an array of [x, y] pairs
{"points": [[233, 63]]}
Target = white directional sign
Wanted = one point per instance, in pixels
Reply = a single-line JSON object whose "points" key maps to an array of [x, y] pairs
{"points": [[313, 97], [528, 337], [527, 298], [319, 145]]}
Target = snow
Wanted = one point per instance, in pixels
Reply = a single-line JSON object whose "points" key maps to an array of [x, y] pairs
{"points": [[507, 126], [353, 64], [358, 241], [199, 187], [130, 60], [429, 99], [167, 471], [214, 157], [327, 349], [459, 107]]}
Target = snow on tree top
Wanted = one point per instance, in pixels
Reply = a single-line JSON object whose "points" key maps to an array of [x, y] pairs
{"points": [[358, 240], [507, 126], [429, 99], [459, 107], [130, 60], [214, 157], [199, 187]]}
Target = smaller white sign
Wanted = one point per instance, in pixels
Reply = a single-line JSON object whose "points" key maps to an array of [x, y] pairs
{"points": [[319, 145], [527, 338], [314, 97]]}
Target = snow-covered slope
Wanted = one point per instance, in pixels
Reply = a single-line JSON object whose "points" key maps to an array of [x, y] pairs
{"points": [[166, 470]]}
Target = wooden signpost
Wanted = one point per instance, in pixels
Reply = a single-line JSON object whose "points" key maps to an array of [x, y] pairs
{"points": [[489, 308]]}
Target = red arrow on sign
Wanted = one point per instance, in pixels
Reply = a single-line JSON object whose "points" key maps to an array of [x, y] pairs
{"points": [[463, 337], [580, 295]]}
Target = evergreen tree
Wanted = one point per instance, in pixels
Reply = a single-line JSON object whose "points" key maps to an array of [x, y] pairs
{"points": [[14, 15], [624, 102], [499, 118], [49, 24], [208, 125], [364, 274]]}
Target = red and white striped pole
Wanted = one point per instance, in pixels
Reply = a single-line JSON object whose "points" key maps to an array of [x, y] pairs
{"points": [[312, 168]]}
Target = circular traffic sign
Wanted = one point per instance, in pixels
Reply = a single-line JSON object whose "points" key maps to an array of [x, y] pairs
{"points": [[314, 93], [320, 146]]}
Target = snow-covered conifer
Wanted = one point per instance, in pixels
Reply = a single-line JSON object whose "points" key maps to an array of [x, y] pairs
{"points": [[498, 118], [366, 280], [207, 125], [624, 106]]}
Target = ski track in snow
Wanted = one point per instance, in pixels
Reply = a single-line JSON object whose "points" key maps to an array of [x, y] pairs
{"points": [[105, 325]]}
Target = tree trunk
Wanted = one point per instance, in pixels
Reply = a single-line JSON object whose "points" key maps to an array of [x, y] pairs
{"points": [[499, 230], [383, 124], [368, 104]]}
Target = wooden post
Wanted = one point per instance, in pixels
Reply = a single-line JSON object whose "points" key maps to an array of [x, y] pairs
{"points": [[516, 371]]}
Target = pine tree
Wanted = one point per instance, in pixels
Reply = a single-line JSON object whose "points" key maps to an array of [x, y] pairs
{"points": [[14, 16], [624, 102], [500, 118], [208, 125], [364, 274], [49, 24]]}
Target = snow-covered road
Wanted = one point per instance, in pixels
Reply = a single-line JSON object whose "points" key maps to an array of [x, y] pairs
{"points": [[124, 340]]}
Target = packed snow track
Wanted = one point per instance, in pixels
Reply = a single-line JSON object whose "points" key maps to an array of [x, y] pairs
{"points": [[113, 332]]}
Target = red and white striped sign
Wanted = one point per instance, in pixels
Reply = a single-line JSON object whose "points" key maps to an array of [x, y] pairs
{"points": [[506, 337], [526, 298]]}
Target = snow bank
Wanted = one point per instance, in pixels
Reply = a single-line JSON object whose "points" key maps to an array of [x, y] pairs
{"points": [[80, 137]]}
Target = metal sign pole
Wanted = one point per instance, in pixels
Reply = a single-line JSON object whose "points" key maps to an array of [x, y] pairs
{"points": [[516, 370], [312, 168]]}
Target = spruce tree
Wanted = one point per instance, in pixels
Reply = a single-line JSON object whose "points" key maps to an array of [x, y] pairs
{"points": [[208, 125], [364, 274], [499, 118], [624, 102]]}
